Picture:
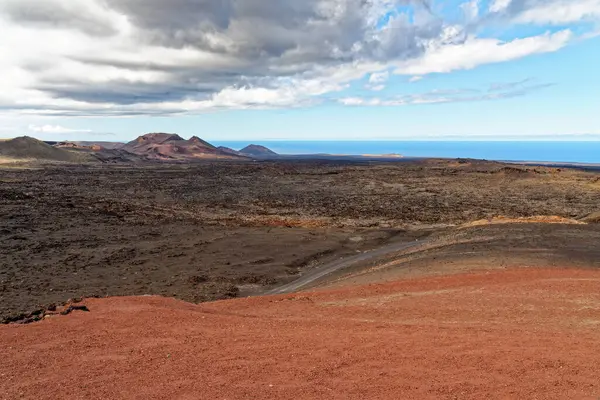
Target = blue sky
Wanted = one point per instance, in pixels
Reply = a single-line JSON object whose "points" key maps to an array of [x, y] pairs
{"points": [[319, 70]]}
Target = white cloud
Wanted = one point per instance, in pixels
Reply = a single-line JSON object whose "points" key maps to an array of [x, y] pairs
{"points": [[560, 12], [470, 9], [444, 58], [499, 5], [379, 77], [352, 101], [55, 129], [377, 81], [415, 78]]}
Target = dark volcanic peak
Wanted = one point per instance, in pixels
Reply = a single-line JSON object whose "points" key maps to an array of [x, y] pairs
{"points": [[229, 151], [196, 140], [29, 148], [257, 150]]}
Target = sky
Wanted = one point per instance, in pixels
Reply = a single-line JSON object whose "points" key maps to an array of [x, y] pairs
{"points": [[111, 70]]}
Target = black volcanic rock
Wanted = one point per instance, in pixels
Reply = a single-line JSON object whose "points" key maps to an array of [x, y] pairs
{"points": [[257, 151]]}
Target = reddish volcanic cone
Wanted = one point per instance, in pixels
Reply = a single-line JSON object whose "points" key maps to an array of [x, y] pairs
{"points": [[166, 146]]}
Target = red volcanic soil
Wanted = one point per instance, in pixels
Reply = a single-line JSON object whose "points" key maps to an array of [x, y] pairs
{"points": [[524, 333]]}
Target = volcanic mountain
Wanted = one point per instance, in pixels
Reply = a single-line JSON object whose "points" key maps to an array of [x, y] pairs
{"points": [[166, 146], [255, 150], [32, 149], [229, 150]]}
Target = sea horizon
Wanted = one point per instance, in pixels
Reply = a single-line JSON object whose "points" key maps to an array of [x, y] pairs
{"points": [[498, 150]]}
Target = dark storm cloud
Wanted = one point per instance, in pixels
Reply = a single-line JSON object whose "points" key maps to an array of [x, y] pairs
{"points": [[254, 28], [284, 30], [175, 15], [276, 31]]}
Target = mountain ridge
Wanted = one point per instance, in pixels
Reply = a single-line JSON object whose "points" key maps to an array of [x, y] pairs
{"points": [[172, 147]]}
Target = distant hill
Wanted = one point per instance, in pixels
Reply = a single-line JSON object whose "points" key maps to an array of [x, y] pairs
{"points": [[32, 149], [167, 146], [255, 150], [229, 151]]}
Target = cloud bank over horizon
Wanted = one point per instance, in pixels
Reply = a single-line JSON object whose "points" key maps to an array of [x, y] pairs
{"points": [[155, 58]]}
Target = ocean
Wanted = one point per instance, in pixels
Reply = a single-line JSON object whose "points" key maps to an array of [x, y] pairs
{"points": [[555, 151]]}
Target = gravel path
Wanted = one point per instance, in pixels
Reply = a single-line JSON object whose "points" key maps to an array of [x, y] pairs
{"points": [[329, 268]]}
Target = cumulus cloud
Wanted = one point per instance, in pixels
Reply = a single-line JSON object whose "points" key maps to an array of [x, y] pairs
{"points": [[155, 57]]}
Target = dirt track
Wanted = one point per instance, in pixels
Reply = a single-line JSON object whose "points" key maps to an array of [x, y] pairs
{"points": [[323, 271], [527, 333]]}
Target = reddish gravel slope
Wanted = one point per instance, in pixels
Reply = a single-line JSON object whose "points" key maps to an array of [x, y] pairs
{"points": [[525, 333]]}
